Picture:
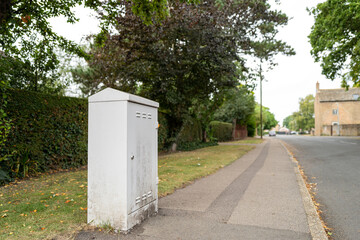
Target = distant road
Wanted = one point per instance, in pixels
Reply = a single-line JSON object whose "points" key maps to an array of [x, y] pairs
{"points": [[334, 164]]}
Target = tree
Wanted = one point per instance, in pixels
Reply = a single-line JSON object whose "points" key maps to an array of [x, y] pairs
{"points": [[189, 59], [306, 106], [239, 105], [238, 109], [180, 62], [27, 39], [268, 118], [28, 45], [335, 39], [287, 121], [304, 118]]}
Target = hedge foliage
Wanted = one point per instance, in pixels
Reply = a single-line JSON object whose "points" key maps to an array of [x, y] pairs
{"points": [[190, 132], [190, 136], [48, 132], [222, 131], [162, 132]]}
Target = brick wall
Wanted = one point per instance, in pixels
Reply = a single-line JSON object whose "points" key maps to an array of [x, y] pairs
{"points": [[240, 132]]}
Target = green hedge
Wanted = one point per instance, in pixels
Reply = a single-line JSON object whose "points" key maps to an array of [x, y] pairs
{"points": [[48, 132], [222, 131], [251, 126], [162, 132], [189, 133]]}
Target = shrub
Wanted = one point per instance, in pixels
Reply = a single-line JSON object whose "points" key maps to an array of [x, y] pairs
{"points": [[162, 132], [222, 131], [190, 132], [251, 126], [48, 132]]}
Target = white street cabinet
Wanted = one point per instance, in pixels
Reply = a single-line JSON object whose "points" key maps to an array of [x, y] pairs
{"points": [[122, 159]]}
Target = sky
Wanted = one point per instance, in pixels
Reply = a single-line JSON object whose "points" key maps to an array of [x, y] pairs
{"points": [[295, 77]]}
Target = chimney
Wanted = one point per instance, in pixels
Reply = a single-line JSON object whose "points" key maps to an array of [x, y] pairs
{"points": [[317, 86]]}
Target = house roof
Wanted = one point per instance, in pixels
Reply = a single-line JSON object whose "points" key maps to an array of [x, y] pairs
{"points": [[338, 95]]}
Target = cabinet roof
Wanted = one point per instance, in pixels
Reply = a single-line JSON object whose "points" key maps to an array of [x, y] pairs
{"points": [[113, 95]]}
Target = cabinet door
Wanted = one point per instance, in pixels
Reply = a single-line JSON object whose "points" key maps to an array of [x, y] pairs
{"points": [[142, 155]]}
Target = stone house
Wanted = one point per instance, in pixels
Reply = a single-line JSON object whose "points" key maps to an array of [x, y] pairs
{"points": [[337, 112]]}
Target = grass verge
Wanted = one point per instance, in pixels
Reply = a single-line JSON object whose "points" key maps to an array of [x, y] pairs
{"points": [[51, 205], [180, 169], [43, 207]]}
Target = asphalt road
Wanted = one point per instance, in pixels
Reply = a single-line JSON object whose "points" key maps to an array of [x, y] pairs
{"points": [[334, 164]]}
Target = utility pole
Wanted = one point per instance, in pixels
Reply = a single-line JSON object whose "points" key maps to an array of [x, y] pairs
{"points": [[261, 121]]}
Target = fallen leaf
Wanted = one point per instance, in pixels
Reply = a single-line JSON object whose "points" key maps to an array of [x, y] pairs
{"points": [[42, 228], [35, 210], [4, 215]]}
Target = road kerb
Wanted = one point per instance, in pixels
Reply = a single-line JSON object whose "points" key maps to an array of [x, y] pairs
{"points": [[316, 228]]}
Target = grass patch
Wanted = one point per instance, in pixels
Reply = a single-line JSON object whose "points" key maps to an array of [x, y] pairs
{"points": [[249, 141], [56, 204], [43, 207]]}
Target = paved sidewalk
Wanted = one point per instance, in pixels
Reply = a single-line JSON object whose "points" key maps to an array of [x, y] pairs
{"points": [[256, 197]]}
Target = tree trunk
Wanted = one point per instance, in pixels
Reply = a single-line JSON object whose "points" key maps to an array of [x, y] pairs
{"points": [[173, 147], [204, 135]]}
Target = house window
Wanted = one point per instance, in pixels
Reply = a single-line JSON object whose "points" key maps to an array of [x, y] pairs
{"points": [[335, 111], [355, 96]]}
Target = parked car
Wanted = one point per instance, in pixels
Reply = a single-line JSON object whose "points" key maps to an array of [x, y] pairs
{"points": [[272, 134], [293, 133]]}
